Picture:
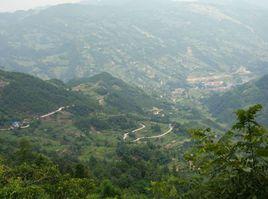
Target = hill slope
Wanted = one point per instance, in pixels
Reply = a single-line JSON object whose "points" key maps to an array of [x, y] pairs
{"points": [[102, 102], [223, 106], [114, 93], [23, 95]]}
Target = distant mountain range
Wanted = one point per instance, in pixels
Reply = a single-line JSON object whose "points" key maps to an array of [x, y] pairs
{"points": [[134, 99], [263, 4], [155, 46]]}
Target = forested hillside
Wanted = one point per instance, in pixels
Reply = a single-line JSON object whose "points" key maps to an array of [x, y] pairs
{"points": [[223, 105], [100, 149], [85, 115], [112, 92], [26, 97], [233, 165], [23, 96], [134, 99]]}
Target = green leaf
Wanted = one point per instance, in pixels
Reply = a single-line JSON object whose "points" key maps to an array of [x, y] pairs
{"points": [[247, 169], [262, 152]]}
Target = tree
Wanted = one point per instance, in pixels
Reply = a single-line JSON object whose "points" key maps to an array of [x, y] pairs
{"points": [[108, 190], [81, 171], [235, 165], [156, 128], [75, 188], [165, 189], [24, 153]]}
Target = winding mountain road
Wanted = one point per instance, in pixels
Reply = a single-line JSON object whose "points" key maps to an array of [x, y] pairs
{"points": [[52, 113], [8, 129], [156, 136], [134, 131], [41, 117]]}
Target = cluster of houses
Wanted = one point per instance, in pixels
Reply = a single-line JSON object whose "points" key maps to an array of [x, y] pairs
{"points": [[16, 125], [26, 123], [20, 125]]}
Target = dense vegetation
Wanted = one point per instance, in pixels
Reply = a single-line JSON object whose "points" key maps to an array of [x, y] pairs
{"points": [[101, 101], [85, 125], [81, 153], [115, 93], [24, 96], [161, 135], [233, 165], [92, 149]]}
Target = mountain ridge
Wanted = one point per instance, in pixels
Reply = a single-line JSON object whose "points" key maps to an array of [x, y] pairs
{"points": [[154, 54]]}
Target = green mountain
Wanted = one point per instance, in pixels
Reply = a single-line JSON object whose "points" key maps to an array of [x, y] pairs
{"points": [[153, 44], [143, 128], [101, 101], [113, 93], [101, 112], [23, 95], [222, 106]]}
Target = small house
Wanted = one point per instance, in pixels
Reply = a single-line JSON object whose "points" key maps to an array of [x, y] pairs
{"points": [[16, 124]]}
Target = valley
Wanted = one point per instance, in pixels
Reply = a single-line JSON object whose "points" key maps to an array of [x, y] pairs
{"points": [[221, 82], [135, 99]]}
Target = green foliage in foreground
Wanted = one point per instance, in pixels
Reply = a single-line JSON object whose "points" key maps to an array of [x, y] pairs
{"points": [[231, 166]]}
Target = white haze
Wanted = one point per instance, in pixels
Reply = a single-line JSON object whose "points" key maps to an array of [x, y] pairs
{"points": [[14, 5]]}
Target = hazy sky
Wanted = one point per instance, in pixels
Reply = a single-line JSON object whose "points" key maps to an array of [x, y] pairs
{"points": [[13, 5]]}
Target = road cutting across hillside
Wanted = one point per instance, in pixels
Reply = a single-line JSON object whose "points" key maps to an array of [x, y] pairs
{"points": [[156, 136], [52, 113], [134, 131], [41, 117]]}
